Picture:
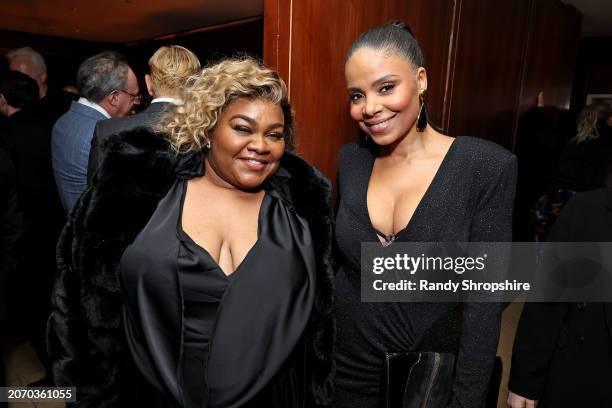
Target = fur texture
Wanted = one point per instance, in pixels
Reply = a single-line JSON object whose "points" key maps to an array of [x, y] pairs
{"points": [[86, 341]]}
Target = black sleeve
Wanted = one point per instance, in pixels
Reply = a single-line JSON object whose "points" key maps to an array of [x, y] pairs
{"points": [[492, 222], [539, 327]]}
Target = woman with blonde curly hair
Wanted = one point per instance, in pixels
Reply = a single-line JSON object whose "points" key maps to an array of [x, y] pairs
{"points": [[590, 120], [222, 258], [584, 160]]}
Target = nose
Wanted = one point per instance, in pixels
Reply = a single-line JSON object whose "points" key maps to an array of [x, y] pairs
{"points": [[371, 107], [258, 144]]}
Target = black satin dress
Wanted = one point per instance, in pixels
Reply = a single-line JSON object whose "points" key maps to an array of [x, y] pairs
{"points": [[205, 339]]}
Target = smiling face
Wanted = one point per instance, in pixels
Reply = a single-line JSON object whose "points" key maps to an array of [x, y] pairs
{"points": [[247, 143], [384, 92]]}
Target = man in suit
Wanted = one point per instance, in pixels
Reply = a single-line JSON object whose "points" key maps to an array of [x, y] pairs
{"points": [[109, 89], [28, 142], [53, 103], [169, 67], [562, 353]]}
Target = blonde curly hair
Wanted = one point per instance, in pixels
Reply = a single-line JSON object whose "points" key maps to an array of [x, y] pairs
{"points": [[588, 120], [170, 66], [207, 94]]}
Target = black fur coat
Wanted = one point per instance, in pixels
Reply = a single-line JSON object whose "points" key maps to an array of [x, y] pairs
{"points": [[86, 341]]}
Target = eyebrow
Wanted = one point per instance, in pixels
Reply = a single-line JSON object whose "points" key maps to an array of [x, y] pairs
{"points": [[244, 117], [384, 79], [253, 122], [379, 81]]}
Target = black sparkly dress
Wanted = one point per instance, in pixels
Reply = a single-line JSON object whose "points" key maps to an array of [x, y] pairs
{"points": [[205, 339], [469, 199]]}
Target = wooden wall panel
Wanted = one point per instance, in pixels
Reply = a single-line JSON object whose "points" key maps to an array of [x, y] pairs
{"points": [[486, 81], [243, 37], [277, 21], [551, 56], [307, 40], [507, 53], [487, 61]]}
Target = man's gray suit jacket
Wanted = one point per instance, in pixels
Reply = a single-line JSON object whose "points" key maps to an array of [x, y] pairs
{"points": [[70, 144]]}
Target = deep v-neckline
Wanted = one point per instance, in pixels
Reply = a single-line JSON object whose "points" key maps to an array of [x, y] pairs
{"points": [[429, 191], [187, 238]]}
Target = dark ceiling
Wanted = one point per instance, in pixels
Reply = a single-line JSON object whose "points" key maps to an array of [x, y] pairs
{"points": [[120, 21]]}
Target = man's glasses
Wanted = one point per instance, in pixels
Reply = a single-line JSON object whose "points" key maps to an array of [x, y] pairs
{"points": [[135, 97]]}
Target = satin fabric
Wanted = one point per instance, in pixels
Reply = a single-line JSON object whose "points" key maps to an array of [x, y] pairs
{"points": [[204, 338]]}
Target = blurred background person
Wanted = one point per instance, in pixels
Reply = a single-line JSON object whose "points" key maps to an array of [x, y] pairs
{"points": [[582, 166], [583, 160], [542, 134], [562, 354], [26, 139], [109, 88], [53, 102], [169, 67], [72, 90], [12, 228]]}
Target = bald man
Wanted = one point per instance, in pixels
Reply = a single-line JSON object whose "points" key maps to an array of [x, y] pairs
{"points": [[53, 104]]}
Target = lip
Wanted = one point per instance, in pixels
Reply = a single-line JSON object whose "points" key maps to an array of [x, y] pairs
{"points": [[254, 164], [380, 126]]}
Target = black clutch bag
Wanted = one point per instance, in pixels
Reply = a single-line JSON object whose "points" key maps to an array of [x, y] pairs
{"points": [[417, 379]]}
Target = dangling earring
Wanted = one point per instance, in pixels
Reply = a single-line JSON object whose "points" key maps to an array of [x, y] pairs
{"points": [[422, 118]]}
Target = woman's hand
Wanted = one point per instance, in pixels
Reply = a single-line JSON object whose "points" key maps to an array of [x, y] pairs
{"points": [[516, 401]]}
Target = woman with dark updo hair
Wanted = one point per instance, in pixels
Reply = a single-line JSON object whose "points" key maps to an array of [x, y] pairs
{"points": [[407, 182]]}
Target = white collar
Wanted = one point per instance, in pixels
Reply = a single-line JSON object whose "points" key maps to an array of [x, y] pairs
{"points": [[93, 105], [173, 101]]}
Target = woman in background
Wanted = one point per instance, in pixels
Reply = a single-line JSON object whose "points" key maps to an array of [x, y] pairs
{"points": [[408, 182], [582, 165]]}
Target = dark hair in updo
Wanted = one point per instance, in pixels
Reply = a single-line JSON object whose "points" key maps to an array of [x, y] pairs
{"points": [[395, 37]]}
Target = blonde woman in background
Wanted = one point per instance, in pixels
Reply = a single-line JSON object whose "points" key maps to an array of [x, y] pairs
{"points": [[582, 165], [223, 259], [169, 68]]}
